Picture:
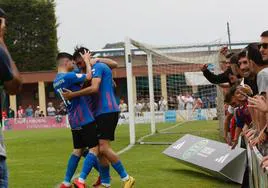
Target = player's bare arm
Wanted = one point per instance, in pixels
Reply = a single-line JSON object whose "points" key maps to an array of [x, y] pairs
{"points": [[111, 63], [94, 88], [87, 58]]}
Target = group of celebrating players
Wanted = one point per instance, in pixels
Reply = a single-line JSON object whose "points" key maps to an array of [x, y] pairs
{"points": [[88, 93]]}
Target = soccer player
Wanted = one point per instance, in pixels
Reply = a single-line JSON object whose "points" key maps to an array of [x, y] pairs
{"points": [[81, 65], [81, 119], [10, 82], [106, 114]]}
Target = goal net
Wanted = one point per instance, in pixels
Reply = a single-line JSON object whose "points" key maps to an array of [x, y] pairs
{"points": [[166, 85]]}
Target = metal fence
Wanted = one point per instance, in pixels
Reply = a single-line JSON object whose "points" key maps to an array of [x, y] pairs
{"points": [[258, 177]]}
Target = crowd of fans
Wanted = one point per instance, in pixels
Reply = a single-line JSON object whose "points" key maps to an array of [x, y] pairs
{"points": [[180, 102], [244, 79], [30, 112]]}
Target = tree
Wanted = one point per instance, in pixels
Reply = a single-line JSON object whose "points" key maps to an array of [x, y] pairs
{"points": [[114, 45], [31, 33]]}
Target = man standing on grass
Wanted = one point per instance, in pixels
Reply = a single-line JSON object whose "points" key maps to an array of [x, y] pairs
{"points": [[106, 114], [81, 119], [10, 82]]}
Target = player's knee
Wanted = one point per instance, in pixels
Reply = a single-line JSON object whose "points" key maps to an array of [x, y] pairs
{"points": [[94, 150], [78, 152], [103, 147]]}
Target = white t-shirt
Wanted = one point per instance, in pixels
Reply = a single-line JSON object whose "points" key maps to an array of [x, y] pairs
{"points": [[162, 105], [123, 107], [189, 102], [231, 109], [51, 111], [262, 80], [138, 107]]}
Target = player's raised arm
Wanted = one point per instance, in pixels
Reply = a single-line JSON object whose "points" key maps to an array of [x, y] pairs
{"points": [[87, 58]]}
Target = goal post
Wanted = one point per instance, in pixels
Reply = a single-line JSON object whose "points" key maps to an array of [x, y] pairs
{"points": [[169, 86], [128, 61]]}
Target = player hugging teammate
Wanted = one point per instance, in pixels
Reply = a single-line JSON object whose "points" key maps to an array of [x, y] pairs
{"points": [[93, 116]]}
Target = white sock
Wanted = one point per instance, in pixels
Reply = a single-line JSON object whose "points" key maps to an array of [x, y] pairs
{"points": [[125, 178], [67, 184], [106, 184], [81, 180]]}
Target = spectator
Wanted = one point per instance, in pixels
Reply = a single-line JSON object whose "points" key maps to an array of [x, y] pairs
{"points": [[171, 103], [163, 104], [62, 109], [51, 111], [123, 106], [249, 77], [11, 113], [258, 67], [145, 105], [263, 46], [42, 114], [236, 97], [138, 108], [155, 106], [198, 103], [11, 83], [4, 114], [226, 77], [37, 112], [21, 112], [181, 102], [189, 102], [29, 111]]}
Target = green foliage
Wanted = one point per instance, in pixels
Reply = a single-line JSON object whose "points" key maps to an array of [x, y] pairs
{"points": [[31, 35]]}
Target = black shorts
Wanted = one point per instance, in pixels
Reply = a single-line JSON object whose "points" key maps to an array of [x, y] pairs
{"points": [[85, 136], [106, 124]]}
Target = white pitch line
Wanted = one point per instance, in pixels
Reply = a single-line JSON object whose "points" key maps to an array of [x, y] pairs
{"points": [[178, 124]]}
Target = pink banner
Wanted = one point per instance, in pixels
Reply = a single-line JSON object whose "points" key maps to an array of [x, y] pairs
{"points": [[35, 123]]}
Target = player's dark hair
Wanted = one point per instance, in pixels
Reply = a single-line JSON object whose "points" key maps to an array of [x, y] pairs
{"points": [[64, 55], [264, 34], [78, 50]]}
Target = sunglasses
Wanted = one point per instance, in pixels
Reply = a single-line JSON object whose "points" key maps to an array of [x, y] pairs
{"points": [[264, 45]]}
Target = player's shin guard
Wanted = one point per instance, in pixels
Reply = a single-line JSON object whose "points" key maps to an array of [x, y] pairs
{"points": [[119, 168], [72, 165], [89, 162], [105, 175]]}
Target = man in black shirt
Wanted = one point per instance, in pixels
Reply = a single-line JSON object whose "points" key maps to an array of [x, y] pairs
{"points": [[246, 72], [228, 76], [10, 82]]}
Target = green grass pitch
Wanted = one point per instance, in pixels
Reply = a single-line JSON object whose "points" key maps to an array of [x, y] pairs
{"points": [[38, 158]]}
